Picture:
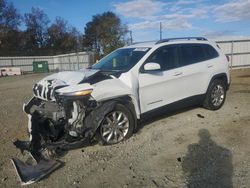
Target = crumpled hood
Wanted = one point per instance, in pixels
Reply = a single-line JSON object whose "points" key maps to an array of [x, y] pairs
{"points": [[70, 77], [45, 88]]}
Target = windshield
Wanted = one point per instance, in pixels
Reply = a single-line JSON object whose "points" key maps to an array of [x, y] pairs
{"points": [[121, 59]]}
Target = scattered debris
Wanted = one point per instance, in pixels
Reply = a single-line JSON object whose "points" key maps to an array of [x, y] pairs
{"points": [[29, 174], [179, 159], [4, 179], [168, 179], [200, 116], [130, 166], [155, 183], [76, 182]]}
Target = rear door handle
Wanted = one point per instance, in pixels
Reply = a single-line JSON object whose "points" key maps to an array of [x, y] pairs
{"points": [[177, 73], [209, 66]]}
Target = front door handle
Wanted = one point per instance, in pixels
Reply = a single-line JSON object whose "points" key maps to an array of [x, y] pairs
{"points": [[177, 73], [209, 66]]}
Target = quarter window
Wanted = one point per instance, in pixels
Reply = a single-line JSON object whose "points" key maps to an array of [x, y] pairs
{"points": [[210, 51]]}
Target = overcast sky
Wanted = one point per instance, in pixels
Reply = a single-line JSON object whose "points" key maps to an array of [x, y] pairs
{"points": [[210, 18]]}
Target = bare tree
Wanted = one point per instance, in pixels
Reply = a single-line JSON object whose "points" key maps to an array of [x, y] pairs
{"points": [[62, 37], [36, 33], [10, 20]]}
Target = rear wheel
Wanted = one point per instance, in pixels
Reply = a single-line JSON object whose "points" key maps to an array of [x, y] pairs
{"points": [[116, 126], [215, 96]]}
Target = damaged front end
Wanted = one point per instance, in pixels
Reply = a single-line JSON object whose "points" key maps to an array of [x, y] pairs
{"points": [[61, 117]]}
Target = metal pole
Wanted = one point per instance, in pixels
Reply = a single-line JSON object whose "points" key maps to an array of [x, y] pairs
{"points": [[53, 59], [232, 54], [60, 62], [160, 31], [131, 38], [12, 62], [77, 56], [69, 62], [53, 56]]}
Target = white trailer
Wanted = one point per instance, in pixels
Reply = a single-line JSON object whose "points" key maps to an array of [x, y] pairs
{"points": [[10, 71]]}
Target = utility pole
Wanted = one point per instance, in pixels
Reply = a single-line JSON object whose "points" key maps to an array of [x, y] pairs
{"points": [[131, 38], [160, 31]]}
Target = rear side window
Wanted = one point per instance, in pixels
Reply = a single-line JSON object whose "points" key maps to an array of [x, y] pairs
{"points": [[190, 54], [210, 52]]}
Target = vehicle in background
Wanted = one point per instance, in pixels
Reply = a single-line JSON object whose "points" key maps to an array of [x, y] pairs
{"points": [[10, 71]]}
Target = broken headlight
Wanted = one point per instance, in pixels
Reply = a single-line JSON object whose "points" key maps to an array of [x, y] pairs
{"points": [[76, 93]]}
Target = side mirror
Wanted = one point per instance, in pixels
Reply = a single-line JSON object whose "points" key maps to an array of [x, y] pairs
{"points": [[151, 66]]}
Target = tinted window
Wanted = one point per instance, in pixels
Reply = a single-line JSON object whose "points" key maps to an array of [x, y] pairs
{"points": [[165, 56], [191, 53], [210, 51]]}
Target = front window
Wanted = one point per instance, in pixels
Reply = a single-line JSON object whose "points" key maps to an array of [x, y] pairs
{"points": [[121, 59]]}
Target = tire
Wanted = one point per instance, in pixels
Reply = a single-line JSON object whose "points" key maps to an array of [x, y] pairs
{"points": [[215, 96], [109, 132]]}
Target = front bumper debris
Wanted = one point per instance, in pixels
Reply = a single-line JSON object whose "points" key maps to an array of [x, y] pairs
{"points": [[47, 145], [29, 174]]}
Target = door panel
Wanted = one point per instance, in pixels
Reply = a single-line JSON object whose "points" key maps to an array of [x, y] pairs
{"points": [[193, 79], [193, 60], [159, 89]]}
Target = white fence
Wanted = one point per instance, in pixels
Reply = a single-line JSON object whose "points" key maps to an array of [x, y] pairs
{"points": [[238, 50], [73, 61]]}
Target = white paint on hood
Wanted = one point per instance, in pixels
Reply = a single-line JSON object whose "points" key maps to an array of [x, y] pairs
{"points": [[69, 77]]}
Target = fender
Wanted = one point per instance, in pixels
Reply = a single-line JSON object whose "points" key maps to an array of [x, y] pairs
{"points": [[114, 89], [127, 101], [221, 76]]}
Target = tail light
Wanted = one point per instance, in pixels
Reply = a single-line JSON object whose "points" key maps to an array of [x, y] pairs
{"points": [[228, 58]]}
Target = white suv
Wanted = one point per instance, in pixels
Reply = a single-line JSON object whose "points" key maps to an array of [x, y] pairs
{"points": [[106, 99]]}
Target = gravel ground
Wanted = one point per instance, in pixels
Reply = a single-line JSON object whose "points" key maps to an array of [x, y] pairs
{"points": [[189, 148]]}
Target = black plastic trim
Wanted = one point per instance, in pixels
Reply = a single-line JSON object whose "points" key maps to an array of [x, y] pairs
{"points": [[221, 76]]}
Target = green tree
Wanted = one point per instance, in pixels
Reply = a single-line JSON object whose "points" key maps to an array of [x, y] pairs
{"points": [[104, 33]]}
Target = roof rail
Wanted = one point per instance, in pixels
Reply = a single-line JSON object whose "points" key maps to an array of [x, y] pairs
{"points": [[182, 38], [141, 42]]}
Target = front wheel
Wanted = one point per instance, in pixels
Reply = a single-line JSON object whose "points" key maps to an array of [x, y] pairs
{"points": [[116, 126], [215, 96]]}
